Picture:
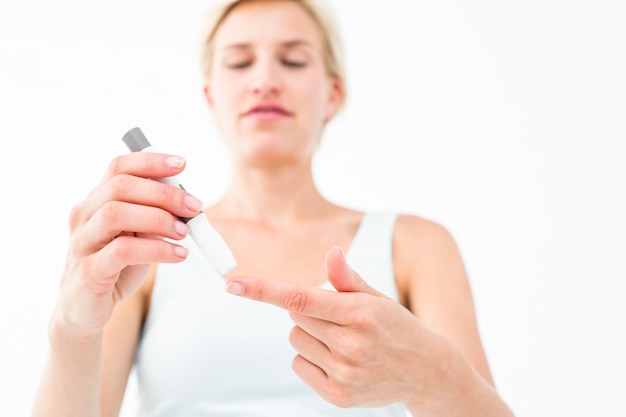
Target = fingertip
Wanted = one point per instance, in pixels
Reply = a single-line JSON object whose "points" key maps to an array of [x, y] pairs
{"points": [[181, 251], [336, 260], [175, 162], [335, 257], [339, 249], [234, 288]]}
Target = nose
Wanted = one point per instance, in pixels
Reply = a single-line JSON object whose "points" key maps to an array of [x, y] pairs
{"points": [[265, 79]]}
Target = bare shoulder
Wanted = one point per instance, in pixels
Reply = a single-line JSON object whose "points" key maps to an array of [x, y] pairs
{"points": [[417, 240], [412, 230], [426, 258]]}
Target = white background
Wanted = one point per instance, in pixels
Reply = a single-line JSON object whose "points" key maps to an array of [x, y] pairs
{"points": [[502, 120]]}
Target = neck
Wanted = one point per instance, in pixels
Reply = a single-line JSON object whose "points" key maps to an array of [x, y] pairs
{"points": [[273, 195]]}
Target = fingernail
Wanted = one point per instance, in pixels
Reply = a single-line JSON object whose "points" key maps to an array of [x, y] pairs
{"points": [[181, 251], [343, 258], [175, 161], [234, 288], [181, 228], [192, 203], [340, 249]]}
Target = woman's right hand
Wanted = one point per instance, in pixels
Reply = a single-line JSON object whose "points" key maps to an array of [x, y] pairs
{"points": [[116, 233]]}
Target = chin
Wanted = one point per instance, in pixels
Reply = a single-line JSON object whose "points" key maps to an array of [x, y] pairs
{"points": [[272, 147], [271, 156], [268, 143]]}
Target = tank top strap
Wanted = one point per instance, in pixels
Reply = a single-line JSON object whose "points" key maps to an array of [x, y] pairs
{"points": [[371, 251]]}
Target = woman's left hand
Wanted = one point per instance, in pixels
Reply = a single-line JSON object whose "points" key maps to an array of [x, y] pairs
{"points": [[356, 347]]}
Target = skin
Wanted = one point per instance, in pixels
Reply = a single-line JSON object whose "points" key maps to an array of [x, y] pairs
{"points": [[431, 359]]}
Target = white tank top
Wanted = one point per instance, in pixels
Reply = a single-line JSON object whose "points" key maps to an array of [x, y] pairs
{"points": [[204, 352]]}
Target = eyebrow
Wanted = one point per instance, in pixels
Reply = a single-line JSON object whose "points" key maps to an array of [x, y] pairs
{"points": [[285, 45]]}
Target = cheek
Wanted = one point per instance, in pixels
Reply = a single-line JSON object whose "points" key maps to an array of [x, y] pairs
{"points": [[224, 86], [313, 96], [224, 101]]}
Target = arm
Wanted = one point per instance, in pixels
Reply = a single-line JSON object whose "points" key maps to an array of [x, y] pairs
{"points": [[435, 287], [115, 234], [71, 382], [119, 345], [93, 373]]}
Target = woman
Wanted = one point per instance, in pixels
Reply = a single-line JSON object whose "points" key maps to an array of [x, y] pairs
{"points": [[396, 332]]}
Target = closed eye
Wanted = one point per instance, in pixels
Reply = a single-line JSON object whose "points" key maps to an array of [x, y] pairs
{"points": [[294, 64], [239, 65]]}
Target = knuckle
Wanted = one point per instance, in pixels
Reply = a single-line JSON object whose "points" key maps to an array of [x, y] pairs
{"points": [[363, 321], [364, 315], [110, 212], [159, 218], [75, 249], [120, 248], [150, 159], [351, 348], [118, 185], [115, 166], [75, 216], [255, 292], [297, 301], [160, 249], [294, 336], [165, 192], [85, 270], [345, 372]]}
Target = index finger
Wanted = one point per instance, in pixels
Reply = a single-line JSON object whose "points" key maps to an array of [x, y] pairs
{"points": [[146, 165], [309, 301]]}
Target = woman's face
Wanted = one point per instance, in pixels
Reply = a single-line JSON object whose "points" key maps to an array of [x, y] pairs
{"points": [[268, 88]]}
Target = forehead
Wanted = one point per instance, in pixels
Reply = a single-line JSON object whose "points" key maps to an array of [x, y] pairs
{"points": [[267, 22]]}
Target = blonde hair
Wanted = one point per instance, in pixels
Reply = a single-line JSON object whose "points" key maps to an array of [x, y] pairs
{"points": [[319, 10]]}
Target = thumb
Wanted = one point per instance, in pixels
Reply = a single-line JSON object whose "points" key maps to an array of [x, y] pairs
{"points": [[344, 278]]}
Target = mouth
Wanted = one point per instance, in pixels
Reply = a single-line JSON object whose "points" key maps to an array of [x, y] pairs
{"points": [[267, 111]]}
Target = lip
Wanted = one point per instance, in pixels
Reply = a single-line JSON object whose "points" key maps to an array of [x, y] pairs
{"points": [[267, 111]]}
